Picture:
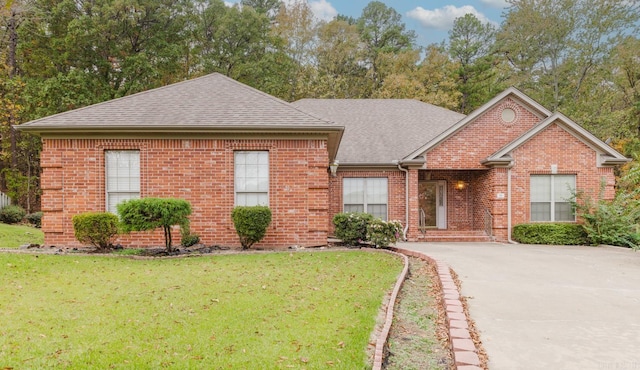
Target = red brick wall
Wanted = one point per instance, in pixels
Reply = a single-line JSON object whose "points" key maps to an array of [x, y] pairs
{"points": [[556, 146], [198, 170], [396, 191], [481, 138]]}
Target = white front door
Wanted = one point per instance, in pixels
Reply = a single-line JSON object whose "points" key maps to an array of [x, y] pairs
{"points": [[432, 199]]}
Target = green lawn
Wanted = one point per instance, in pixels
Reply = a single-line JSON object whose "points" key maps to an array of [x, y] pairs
{"points": [[13, 236], [309, 310]]}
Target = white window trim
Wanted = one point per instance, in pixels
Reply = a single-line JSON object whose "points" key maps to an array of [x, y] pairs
{"points": [[365, 204], [552, 210], [235, 176], [107, 192]]}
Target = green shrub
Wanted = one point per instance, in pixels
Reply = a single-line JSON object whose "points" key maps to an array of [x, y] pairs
{"points": [[12, 214], [550, 233], [251, 223], [95, 228], [151, 213], [614, 222], [383, 233], [351, 228], [187, 237], [35, 219]]}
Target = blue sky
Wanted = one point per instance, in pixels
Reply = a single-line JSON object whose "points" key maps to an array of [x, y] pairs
{"points": [[431, 19]]}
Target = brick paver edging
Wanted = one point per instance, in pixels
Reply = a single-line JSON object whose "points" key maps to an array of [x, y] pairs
{"points": [[381, 341], [465, 353]]}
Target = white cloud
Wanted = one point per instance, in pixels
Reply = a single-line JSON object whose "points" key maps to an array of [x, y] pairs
{"points": [[443, 18], [229, 4], [500, 4], [323, 10]]}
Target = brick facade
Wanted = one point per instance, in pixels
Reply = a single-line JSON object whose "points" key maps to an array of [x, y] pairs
{"points": [[481, 138], [198, 170], [396, 192]]}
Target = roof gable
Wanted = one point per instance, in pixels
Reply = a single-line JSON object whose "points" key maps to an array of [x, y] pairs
{"points": [[511, 92], [608, 155]]}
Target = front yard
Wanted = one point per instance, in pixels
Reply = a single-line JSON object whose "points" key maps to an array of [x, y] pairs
{"points": [[308, 310]]}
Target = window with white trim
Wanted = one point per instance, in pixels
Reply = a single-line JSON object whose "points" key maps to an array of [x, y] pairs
{"points": [[365, 195], [122, 169], [251, 178], [550, 195]]}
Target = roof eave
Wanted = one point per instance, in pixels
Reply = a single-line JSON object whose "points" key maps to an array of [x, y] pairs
{"points": [[38, 130], [498, 162]]}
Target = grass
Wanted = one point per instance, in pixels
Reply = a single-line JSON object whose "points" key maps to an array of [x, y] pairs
{"points": [[414, 343], [13, 236], [310, 310]]}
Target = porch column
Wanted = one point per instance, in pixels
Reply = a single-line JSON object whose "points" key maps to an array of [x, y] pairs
{"points": [[413, 232]]}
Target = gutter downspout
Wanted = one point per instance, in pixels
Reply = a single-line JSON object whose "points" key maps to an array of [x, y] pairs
{"points": [[509, 206], [406, 200]]}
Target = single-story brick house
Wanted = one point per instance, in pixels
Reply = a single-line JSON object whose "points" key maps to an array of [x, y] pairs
{"points": [[218, 143]]}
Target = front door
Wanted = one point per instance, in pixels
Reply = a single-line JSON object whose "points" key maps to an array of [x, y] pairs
{"points": [[432, 199]]}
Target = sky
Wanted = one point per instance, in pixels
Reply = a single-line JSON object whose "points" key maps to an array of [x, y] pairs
{"points": [[430, 19]]}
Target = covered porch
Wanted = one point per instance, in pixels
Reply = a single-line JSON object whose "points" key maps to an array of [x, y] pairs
{"points": [[454, 205]]}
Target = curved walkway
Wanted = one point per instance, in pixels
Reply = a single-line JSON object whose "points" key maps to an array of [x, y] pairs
{"points": [[549, 307]]}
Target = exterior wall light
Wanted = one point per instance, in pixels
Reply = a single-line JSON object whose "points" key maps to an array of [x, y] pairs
{"points": [[333, 168], [460, 185]]}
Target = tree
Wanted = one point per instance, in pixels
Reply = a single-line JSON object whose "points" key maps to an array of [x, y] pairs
{"points": [[471, 45], [236, 42], [382, 31], [268, 7], [555, 47], [338, 55], [296, 26], [152, 213]]}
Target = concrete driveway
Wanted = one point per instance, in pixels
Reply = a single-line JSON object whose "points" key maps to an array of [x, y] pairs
{"points": [[549, 307]]}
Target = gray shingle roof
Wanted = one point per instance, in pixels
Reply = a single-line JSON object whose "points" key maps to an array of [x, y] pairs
{"points": [[381, 130], [210, 102]]}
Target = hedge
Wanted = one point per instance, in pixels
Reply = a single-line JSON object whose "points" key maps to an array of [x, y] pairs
{"points": [[550, 233]]}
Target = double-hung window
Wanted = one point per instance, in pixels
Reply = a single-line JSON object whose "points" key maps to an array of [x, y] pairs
{"points": [[550, 195], [366, 195], [122, 169], [251, 178]]}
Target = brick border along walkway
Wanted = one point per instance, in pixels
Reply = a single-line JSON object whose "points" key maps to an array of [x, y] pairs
{"points": [[465, 353]]}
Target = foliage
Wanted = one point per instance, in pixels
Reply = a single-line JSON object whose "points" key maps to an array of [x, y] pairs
{"points": [[187, 238], [35, 219], [383, 233], [251, 223], [151, 213], [382, 31], [615, 222], [14, 236], [12, 214], [471, 45], [201, 310], [96, 228], [351, 227], [550, 233]]}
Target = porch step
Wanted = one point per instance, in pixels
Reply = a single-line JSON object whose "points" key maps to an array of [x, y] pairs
{"points": [[454, 236]]}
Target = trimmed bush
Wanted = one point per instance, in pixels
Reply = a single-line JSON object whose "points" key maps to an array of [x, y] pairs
{"points": [[550, 233], [95, 228], [151, 213], [12, 214], [351, 227], [35, 219], [383, 233], [251, 223]]}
